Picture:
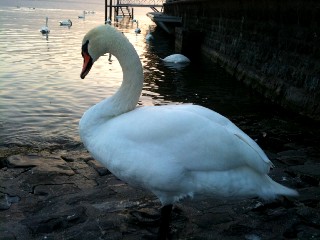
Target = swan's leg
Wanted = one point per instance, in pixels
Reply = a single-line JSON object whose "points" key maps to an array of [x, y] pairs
{"points": [[165, 220]]}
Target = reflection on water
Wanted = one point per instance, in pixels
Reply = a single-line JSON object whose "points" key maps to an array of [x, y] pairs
{"points": [[42, 96]]}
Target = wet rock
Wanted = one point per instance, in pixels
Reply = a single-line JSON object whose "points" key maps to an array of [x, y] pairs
{"points": [[102, 171], [80, 155], [310, 216], [238, 230], [213, 218], [39, 199], [310, 196], [51, 221], [307, 232], [50, 164], [309, 173], [6, 201], [292, 153], [54, 189], [146, 217], [113, 206], [5, 235], [292, 157]]}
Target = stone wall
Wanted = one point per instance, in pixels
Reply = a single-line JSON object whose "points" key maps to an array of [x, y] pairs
{"points": [[272, 46]]}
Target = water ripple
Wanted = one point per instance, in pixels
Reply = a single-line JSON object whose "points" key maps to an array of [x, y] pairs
{"points": [[42, 96], [41, 93]]}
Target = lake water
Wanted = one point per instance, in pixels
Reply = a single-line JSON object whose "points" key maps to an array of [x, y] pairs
{"points": [[42, 96]]}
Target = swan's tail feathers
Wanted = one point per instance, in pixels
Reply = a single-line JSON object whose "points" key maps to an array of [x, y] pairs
{"points": [[275, 190]]}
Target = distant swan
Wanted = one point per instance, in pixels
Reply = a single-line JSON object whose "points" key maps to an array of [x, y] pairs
{"points": [[137, 30], [173, 151], [149, 35], [108, 21], [83, 16], [45, 29], [66, 22], [176, 58]]}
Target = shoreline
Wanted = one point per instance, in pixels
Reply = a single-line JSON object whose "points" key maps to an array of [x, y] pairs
{"points": [[65, 194]]}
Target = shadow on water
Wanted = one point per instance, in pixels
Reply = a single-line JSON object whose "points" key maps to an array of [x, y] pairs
{"points": [[208, 84], [200, 82]]}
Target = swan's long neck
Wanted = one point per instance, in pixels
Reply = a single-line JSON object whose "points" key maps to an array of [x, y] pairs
{"points": [[127, 96]]}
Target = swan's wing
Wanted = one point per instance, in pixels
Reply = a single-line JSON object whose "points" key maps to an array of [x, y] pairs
{"points": [[226, 123], [246, 149], [192, 137]]}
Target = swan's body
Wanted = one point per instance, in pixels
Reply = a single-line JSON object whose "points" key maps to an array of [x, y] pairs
{"points": [[83, 16], [45, 29], [137, 30], [173, 151], [176, 58], [149, 35], [66, 22], [108, 21]]}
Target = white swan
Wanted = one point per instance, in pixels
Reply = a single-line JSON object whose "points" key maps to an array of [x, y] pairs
{"points": [[45, 29], [173, 151], [83, 16], [66, 22], [176, 58], [149, 35], [137, 30], [108, 21]]}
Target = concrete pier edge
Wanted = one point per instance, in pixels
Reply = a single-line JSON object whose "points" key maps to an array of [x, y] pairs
{"points": [[271, 46]]}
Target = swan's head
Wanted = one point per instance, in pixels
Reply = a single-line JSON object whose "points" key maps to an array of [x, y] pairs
{"points": [[97, 42]]}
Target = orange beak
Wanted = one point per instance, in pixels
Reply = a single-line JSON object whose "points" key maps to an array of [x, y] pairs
{"points": [[87, 64]]}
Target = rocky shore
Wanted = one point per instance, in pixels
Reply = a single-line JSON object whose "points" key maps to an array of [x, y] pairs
{"points": [[65, 194]]}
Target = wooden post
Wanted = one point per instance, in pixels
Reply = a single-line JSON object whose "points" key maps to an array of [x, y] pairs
{"points": [[105, 11], [110, 10], [132, 13]]}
